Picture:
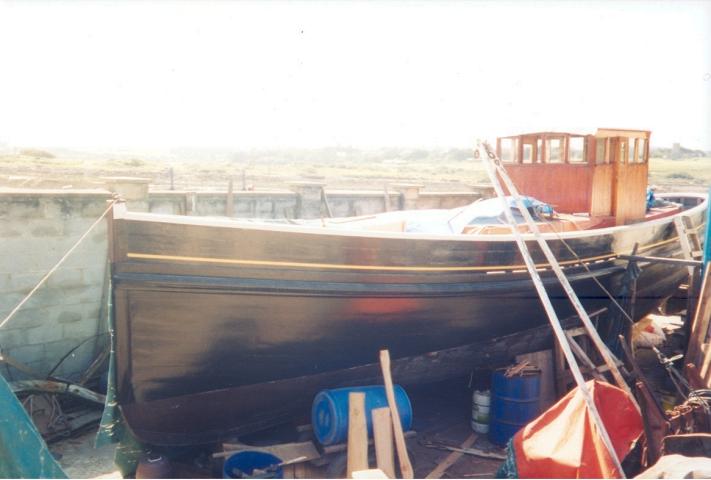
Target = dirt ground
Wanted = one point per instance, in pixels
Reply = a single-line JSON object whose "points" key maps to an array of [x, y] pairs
{"points": [[80, 459], [442, 413]]}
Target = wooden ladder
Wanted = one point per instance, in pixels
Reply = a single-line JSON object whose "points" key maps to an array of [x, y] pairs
{"points": [[564, 377], [689, 239]]}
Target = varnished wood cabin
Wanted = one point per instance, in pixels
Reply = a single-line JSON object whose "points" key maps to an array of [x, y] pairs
{"points": [[603, 175]]}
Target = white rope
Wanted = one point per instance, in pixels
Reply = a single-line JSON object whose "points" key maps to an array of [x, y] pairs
{"points": [[54, 268]]}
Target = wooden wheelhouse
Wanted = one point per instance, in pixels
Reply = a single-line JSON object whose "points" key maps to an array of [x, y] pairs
{"points": [[602, 175]]}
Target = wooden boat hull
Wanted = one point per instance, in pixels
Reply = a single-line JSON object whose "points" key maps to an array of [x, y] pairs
{"points": [[223, 328]]}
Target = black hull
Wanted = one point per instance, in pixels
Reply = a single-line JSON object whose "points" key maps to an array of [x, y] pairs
{"points": [[210, 346]]}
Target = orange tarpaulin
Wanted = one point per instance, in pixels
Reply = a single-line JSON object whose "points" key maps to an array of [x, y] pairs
{"points": [[564, 443]]}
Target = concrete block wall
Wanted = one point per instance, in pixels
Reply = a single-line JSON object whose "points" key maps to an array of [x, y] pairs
{"points": [[261, 204], [304, 201], [36, 228]]}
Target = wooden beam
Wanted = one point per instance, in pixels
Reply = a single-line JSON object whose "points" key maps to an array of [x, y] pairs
{"points": [[383, 440], [451, 459], [699, 325], [404, 459], [230, 200], [672, 261], [357, 434]]}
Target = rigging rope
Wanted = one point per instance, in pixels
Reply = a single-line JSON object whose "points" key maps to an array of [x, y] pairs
{"points": [[55, 267]]}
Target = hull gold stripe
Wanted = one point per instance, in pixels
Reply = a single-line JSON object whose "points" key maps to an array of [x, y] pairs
{"points": [[335, 266]]}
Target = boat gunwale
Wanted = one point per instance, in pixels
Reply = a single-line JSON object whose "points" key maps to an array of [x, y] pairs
{"points": [[223, 222]]}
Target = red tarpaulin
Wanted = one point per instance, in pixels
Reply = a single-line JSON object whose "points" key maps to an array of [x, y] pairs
{"points": [[563, 442]]}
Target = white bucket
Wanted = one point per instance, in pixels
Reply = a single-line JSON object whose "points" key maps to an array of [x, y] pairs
{"points": [[480, 410], [480, 427], [481, 397]]}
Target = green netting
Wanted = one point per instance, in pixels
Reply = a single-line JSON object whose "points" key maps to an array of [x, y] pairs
{"points": [[508, 469], [23, 453], [112, 429]]}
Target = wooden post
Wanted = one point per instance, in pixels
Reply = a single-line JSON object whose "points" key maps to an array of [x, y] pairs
{"points": [[357, 434], [404, 459], [383, 440], [700, 324], [230, 200]]}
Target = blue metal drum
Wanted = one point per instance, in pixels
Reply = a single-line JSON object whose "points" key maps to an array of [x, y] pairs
{"points": [[515, 401], [329, 411]]}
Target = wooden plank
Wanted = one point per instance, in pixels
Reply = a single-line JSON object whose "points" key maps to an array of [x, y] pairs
{"points": [[543, 359], [371, 473], [341, 447], [405, 465], [583, 357], [684, 241], [230, 199], [700, 324], [451, 459], [285, 451], [383, 439], [357, 434]]}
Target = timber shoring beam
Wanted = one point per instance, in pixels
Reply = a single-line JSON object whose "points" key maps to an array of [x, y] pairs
{"points": [[682, 262]]}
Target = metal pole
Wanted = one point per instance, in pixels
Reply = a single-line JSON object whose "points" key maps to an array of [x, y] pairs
{"points": [[548, 306]]}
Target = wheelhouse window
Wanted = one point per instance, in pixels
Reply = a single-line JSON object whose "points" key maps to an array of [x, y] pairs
{"points": [[527, 153], [642, 150], [634, 157], [508, 150], [554, 150], [576, 150]]}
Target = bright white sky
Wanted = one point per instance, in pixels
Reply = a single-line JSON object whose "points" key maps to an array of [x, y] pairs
{"points": [[246, 75]]}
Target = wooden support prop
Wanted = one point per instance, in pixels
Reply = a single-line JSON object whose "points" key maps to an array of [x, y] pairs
{"points": [[493, 166], [451, 459], [51, 386], [693, 377], [401, 446], [383, 439], [671, 261], [230, 199], [341, 447], [357, 434], [700, 324], [371, 473], [324, 200], [305, 450]]}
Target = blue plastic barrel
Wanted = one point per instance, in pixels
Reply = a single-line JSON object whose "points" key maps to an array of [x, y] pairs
{"points": [[329, 412], [515, 401], [247, 461]]}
